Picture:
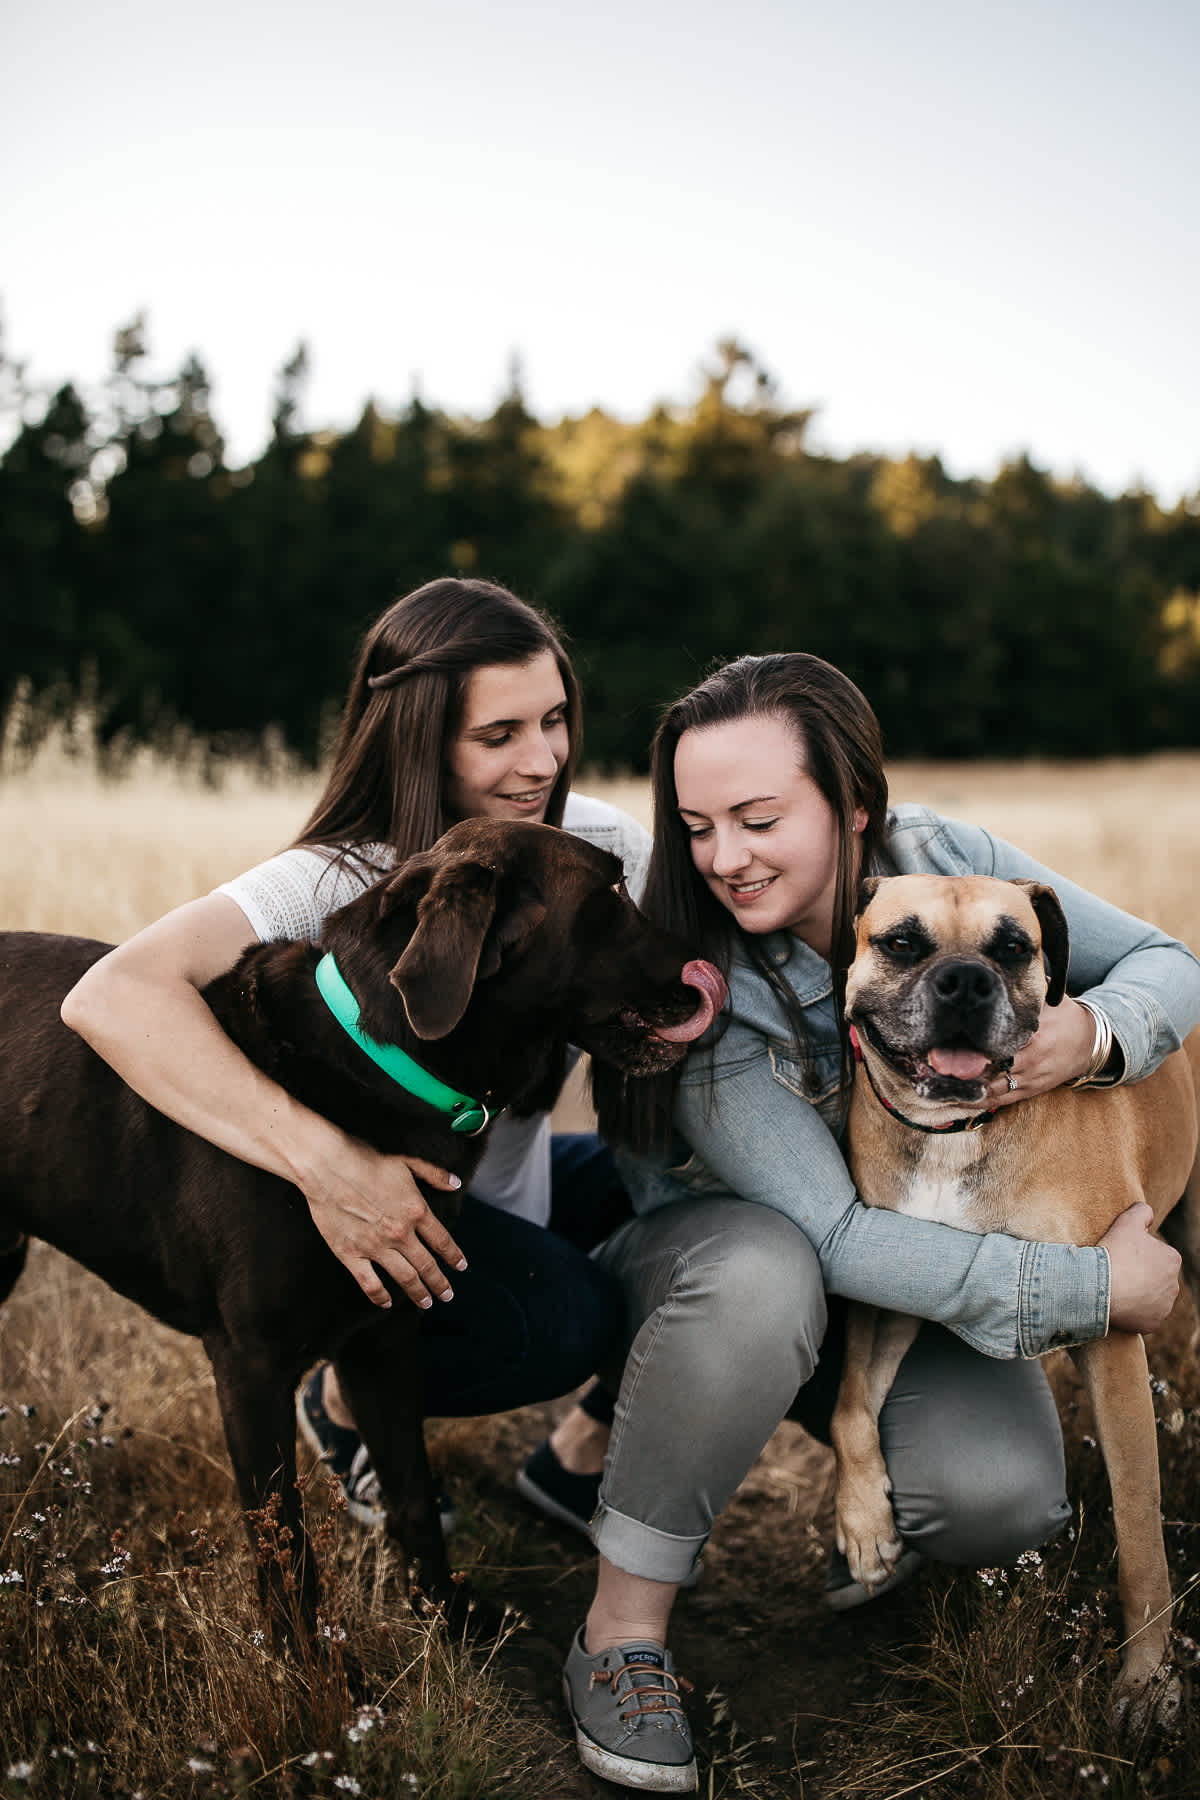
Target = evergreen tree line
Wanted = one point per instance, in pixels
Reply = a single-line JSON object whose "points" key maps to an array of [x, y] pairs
{"points": [[1015, 616]]}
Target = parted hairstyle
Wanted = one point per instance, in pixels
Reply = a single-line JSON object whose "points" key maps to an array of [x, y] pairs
{"points": [[838, 743], [386, 783]]}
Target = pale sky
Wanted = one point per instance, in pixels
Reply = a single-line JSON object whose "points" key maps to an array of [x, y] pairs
{"points": [[958, 228]]}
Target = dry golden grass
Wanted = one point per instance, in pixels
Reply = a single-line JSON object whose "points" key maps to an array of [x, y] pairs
{"points": [[129, 1660], [103, 856]]}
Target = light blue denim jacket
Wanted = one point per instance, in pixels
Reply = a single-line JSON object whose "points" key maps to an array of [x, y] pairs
{"points": [[752, 1135]]}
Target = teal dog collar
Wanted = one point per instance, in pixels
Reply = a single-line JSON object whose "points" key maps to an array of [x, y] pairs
{"points": [[466, 1115]]}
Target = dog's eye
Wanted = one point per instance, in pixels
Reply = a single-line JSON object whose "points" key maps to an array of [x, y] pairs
{"points": [[903, 946], [1010, 947]]}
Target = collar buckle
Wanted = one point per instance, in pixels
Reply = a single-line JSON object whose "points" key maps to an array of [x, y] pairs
{"points": [[470, 1120]]}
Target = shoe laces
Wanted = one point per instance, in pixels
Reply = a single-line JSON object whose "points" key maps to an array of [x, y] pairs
{"points": [[655, 1689]]}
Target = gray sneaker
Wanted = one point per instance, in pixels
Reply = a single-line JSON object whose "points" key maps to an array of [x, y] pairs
{"points": [[629, 1723]]}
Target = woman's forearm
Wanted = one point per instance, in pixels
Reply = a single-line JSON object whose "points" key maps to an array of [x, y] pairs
{"points": [[164, 1042], [142, 1009]]}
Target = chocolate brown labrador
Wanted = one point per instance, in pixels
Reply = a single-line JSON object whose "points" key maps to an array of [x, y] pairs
{"points": [[482, 958]]}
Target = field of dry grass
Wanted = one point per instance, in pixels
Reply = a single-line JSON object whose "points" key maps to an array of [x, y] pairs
{"points": [[130, 1656]]}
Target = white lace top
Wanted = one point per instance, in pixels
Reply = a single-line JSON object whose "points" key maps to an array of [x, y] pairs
{"points": [[292, 894]]}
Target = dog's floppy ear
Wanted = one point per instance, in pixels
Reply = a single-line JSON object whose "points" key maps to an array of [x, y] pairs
{"points": [[437, 971], [513, 923], [1056, 937], [867, 888]]}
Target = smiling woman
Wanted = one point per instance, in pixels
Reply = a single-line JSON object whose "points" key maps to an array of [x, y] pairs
{"points": [[770, 803], [511, 741], [765, 839], [463, 704]]}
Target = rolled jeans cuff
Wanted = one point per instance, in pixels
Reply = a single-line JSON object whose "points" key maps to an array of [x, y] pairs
{"points": [[641, 1549]]}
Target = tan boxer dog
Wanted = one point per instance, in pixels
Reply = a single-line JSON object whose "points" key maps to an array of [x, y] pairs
{"points": [[946, 986]]}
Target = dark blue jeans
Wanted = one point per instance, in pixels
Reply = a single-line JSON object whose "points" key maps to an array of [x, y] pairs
{"points": [[532, 1316]]}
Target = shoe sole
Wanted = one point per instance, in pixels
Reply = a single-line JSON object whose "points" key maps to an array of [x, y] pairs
{"points": [[628, 1771], [553, 1509], [370, 1516]]}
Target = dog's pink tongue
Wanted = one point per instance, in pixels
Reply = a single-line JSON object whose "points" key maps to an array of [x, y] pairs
{"points": [[963, 1065], [711, 985]]}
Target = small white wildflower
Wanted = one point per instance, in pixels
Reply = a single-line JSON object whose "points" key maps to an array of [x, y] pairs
{"points": [[347, 1784], [258, 1639], [11, 1578], [19, 1771], [1089, 1443], [28, 1412], [9, 1459], [199, 1765], [316, 1756]]}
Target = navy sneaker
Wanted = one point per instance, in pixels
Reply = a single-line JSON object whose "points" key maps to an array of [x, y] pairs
{"points": [[842, 1592], [348, 1461], [569, 1499]]}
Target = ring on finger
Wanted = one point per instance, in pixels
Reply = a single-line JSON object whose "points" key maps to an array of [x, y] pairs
{"points": [[1011, 1080]]}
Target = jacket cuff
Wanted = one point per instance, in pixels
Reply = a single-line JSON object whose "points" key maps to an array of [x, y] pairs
{"points": [[1064, 1297], [1137, 1032]]}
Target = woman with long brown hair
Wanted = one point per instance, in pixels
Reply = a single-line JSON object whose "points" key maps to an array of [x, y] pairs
{"points": [[463, 703], [770, 800]]}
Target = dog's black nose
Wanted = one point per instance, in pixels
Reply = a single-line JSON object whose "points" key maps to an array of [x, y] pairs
{"points": [[963, 984]]}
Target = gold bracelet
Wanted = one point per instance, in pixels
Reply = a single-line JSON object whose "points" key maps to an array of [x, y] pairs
{"points": [[1102, 1045]]}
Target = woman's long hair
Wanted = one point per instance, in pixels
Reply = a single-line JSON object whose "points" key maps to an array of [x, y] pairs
{"points": [[386, 784], [838, 743]]}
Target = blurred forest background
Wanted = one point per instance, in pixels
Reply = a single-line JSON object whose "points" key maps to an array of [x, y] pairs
{"points": [[1015, 616]]}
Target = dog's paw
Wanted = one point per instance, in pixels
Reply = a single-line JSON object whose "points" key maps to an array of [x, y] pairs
{"points": [[865, 1529], [1146, 1701]]}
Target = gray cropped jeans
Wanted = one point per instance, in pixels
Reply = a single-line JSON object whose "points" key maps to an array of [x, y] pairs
{"points": [[729, 1331]]}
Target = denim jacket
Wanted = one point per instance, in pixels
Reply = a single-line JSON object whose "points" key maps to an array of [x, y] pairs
{"points": [[741, 1111]]}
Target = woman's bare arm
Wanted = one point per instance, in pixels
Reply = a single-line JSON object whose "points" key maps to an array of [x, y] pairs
{"points": [[141, 1009]]}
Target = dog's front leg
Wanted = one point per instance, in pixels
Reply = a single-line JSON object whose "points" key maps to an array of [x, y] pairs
{"points": [[257, 1411], [377, 1372], [876, 1343], [1117, 1378]]}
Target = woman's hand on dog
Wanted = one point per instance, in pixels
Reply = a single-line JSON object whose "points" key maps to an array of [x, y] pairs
{"points": [[1059, 1050], [1144, 1272], [374, 1217]]}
